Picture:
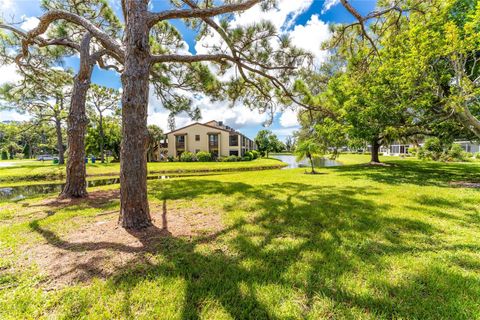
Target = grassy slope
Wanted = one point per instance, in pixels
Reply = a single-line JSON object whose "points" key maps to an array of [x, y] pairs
{"points": [[30, 170], [355, 242]]}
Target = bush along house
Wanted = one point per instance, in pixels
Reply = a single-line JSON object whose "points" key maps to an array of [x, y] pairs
{"points": [[213, 137]]}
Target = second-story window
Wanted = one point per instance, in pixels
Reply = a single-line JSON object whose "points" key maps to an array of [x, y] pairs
{"points": [[181, 139], [197, 137], [213, 139], [234, 140]]}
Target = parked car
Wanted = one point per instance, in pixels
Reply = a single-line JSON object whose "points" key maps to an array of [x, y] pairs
{"points": [[45, 157]]}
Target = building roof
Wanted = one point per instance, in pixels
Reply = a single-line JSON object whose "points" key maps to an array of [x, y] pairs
{"points": [[210, 124]]}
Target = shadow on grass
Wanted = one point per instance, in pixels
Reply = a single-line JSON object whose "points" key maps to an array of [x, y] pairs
{"points": [[298, 242], [422, 173]]}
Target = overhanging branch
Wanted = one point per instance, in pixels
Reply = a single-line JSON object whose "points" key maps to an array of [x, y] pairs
{"points": [[200, 12]]}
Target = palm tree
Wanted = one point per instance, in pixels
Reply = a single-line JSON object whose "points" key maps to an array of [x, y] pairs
{"points": [[307, 149]]}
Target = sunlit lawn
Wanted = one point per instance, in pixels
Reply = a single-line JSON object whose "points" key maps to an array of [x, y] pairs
{"points": [[355, 242]]}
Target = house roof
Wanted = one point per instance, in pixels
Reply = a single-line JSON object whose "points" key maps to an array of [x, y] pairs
{"points": [[208, 126]]}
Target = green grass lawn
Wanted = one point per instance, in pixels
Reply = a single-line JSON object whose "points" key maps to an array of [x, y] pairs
{"points": [[355, 242], [25, 170]]}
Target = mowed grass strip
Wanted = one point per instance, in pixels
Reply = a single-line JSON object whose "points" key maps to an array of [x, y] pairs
{"points": [[356, 241], [25, 170]]}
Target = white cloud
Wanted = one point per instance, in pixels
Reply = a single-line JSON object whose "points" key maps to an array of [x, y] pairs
{"points": [[237, 117], [328, 4], [288, 118], [8, 73], [13, 116], [282, 17], [6, 5], [284, 132], [311, 36], [29, 23]]}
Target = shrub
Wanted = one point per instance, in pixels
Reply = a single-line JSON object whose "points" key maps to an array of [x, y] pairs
{"points": [[170, 159], [4, 155], [187, 157], [413, 151], [477, 155], [431, 150], [247, 156], [456, 153], [232, 159], [255, 153], [203, 156], [19, 156]]}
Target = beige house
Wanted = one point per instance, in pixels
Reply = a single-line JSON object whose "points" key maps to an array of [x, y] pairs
{"points": [[212, 136]]}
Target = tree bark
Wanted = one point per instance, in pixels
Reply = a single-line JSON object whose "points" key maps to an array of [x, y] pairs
{"points": [[468, 120], [102, 139], [375, 148], [134, 210], [311, 163], [76, 183], [58, 130]]}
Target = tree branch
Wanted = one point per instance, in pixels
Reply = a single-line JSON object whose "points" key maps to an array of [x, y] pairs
{"points": [[163, 58], [200, 12], [53, 15], [40, 41]]}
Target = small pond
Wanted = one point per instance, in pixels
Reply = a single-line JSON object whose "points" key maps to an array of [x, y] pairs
{"points": [[292, 163]]}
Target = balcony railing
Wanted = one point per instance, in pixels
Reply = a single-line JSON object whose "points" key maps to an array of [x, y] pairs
{"points": [[180, 145]]}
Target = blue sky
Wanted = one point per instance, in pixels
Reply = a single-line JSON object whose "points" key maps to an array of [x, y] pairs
{"points": [[307, 22]]}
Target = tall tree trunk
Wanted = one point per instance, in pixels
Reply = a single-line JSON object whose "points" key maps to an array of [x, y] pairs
{"points": [[134, 210], [76, 183], [58, 130], [102, 140], [311, 163], [375, 149]]}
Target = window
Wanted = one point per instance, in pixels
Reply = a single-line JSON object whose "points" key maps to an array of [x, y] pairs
{"points": [[180, 139], [213, 138], [234, 153], [233, 140], [197, 137]]}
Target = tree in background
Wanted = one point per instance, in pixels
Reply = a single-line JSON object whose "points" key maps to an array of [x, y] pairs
{"points": [[112, 138], [155, 135], [308, 149], [268, 142], [43, 93], [289, 144], [435, 46], [101, 100], [363, 87], [30, 137]]}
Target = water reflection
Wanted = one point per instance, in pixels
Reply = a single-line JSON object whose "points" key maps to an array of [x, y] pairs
{"points": [[292, 163]]}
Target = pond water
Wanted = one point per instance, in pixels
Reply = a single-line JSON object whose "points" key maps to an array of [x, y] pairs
{"points": [[17, 193], [6, 164], [292, 163]]}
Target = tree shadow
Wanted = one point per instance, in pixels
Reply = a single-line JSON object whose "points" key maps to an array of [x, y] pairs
{"points": [[295, 239], [421, 173]]}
